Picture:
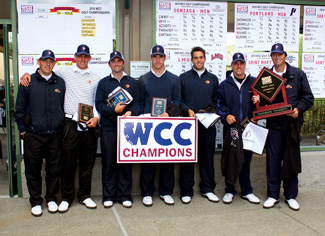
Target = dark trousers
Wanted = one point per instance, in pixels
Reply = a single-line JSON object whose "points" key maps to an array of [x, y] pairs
{"points": [[186, 178], [82, 146], [116, 178], [37, 147], [166, 179], [276, 144], [244, 177], [206, 147]]}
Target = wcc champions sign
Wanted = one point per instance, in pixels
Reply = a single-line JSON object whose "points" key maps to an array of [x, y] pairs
{"points": [[156, 139]]}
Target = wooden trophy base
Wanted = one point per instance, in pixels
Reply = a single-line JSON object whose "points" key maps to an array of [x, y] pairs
{"points": [[272, 110]]}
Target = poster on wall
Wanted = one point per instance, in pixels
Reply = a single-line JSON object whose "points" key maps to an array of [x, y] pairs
{"points": [[184, 24], [313, 64], [314, 28], [255, 61], [62, 27], [179, 61], [259, 26], [98, 64]]}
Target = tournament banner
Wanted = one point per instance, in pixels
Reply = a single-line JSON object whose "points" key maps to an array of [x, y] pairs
{"points": [[156, 139]]}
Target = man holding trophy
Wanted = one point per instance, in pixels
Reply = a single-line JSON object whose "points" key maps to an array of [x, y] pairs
{"points": [[283, 142]]}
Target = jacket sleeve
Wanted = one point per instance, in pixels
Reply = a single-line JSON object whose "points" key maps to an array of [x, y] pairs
{"points": [[184, 106], [135, 105], [177, 92], [215, 93], [306, 97], [101, 105], [142, 94], [21, 107], [222, 102]]}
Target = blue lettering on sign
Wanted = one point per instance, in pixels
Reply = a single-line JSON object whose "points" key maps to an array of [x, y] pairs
{"points": [[177, 134], [157, 134], [132, 137]]}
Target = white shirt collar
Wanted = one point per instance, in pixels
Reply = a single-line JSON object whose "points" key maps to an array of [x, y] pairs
{"points": [[77, 69], [280, 73], [156, 74], [236, 82], [46, 77], [199, 72], [124, 74]]}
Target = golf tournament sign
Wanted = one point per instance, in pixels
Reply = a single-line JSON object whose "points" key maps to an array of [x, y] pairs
{"points": [[268, 85], [156, 139]]}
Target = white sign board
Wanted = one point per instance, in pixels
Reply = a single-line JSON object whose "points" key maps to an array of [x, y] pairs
{"points": [[314, 28], [259, 26], [156, 139], [138, 68], [98, 64], [62, 27], [179, 61], [313, 64], [180, 24], [255, 61]]}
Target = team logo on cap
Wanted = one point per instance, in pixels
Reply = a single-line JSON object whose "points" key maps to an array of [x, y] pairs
{"points": [[158, 48], [127, 86]]}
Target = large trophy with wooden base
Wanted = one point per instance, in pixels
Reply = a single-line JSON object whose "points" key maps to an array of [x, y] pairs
{"points": [[268, 85]]}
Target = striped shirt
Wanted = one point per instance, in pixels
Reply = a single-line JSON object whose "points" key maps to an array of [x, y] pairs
{"points": [[81, 87]]}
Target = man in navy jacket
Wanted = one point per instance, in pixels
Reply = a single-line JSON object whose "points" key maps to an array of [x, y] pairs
{"points": [[116, 178], [235, 102], [161, 83], [199, 92], [301, 98], [39, 115]]}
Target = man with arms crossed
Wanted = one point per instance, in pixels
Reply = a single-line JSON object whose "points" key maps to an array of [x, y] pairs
{"points": [[39, 115], [116, 178]]}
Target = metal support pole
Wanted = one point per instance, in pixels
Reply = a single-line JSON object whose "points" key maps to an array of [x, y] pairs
{"points": [[8, 118]]}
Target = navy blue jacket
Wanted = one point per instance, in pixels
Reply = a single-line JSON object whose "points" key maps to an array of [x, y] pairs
{"points": [[233, 101], [198, 92], [39, 107], [299, 96], [166, 86], [104, 88]]}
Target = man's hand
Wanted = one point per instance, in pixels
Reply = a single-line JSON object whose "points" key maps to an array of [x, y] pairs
{"points": [[25, 80], [128, 113], [92, 123], [295, 114], [191, 113], [119, 107], [256, 98], [230, 119], [164, 115]]}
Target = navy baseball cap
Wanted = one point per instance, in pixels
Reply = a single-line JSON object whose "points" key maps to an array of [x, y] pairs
{"points": [[83, 49], [238, 57], [158, 50], [278, 47], [47, 54], [116, 54]]}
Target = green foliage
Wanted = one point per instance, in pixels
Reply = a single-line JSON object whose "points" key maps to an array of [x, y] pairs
{"points": [[314, 118]]}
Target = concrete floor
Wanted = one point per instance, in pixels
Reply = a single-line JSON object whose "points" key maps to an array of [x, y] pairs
{"points": [[200, 217]]}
